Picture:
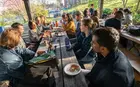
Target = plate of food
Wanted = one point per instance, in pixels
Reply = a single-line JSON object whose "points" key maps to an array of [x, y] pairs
{"points": [[72, 69]]}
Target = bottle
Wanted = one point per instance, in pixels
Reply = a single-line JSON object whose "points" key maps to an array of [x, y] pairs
{"points": [[67, 43]]}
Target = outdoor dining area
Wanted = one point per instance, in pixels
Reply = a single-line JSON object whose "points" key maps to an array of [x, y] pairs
{"points": [[86, 49]]}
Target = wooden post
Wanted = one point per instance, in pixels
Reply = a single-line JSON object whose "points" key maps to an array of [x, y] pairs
{"points": [[101, 3], [27, 7]]}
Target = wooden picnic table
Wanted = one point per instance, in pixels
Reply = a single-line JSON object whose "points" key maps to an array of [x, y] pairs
{"points": [[128, 36], [67, 57], [134, 60], [135, 39]]}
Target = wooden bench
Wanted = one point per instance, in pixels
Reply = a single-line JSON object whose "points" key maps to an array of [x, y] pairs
{"points": [[135, 62]]}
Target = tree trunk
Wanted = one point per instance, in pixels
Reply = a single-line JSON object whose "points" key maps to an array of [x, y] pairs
{"points": [[124, 3], [101, 3], [27, 6], [138, 5]]}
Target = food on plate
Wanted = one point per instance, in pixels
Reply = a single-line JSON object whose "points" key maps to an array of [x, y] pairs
{"points": [[74, 68]]}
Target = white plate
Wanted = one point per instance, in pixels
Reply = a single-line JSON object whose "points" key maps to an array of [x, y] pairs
{"points": [[67, 69]]}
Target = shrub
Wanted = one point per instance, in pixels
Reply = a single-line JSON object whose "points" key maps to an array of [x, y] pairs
{"points": [[107, 11], [136, 18]]}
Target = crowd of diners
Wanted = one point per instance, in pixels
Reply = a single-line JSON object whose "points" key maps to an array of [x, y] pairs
{"points": [[89, 41]]}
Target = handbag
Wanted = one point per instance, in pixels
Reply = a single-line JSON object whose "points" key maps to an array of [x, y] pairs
{"points": [[134, 31]]}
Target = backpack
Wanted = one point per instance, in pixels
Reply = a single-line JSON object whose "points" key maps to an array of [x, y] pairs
{"points": [[38, 76], [134, 31]]}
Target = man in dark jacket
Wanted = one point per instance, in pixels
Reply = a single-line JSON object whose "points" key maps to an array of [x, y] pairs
{"points": [[116, 21], [112, 68]]}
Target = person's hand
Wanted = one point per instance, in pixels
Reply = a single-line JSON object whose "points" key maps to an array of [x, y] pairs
{"points": [[41, 35], [85, 71]]}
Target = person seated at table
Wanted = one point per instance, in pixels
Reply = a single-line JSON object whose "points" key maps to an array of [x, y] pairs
{"points": [[128, 17], [116, 21], [19, 27], [78, 17], [113, 13], [12, 58], [69, 26], [43, 23], [95, 18], [39, 25], [33, 35], [83, 45], [86, 13], [112, 67]]}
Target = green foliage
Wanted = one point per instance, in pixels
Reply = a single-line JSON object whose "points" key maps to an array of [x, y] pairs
{"points": [[95, 2], [79, 7], [38, 10], [107, 11], [136, 18]]}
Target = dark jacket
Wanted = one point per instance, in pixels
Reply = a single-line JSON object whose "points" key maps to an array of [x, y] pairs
{"points": [[113, 22], [12, 63], [85, 45], [79, 41], [112, 71]]}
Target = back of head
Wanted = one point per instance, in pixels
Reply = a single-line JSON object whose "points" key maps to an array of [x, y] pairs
{"points": [[92, 5], [107, 37], [88, 22], [16, 25], [69, 17], [127, 11], [119, 14], [95, 13], [63, 15], [37, 20], [85, 12], [10, 38], [78, 13]]}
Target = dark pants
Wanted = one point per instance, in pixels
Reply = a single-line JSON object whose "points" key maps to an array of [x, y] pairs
{"points": [[123, 42]]}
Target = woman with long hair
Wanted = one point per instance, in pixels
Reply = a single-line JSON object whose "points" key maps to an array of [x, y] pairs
{"points": [[69, 25], [83, 44]]}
